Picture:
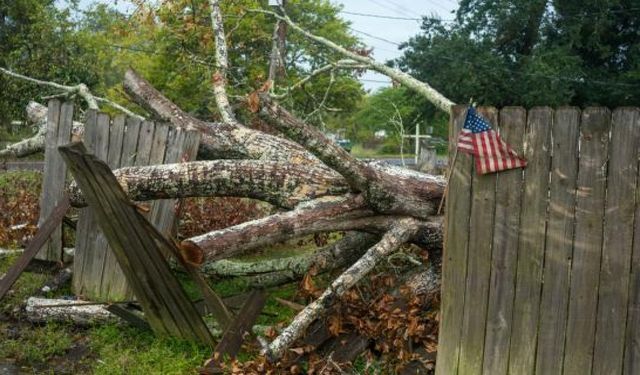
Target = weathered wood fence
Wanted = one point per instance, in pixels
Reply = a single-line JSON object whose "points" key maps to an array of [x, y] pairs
{"points": [[541, 270], [121, 141]]}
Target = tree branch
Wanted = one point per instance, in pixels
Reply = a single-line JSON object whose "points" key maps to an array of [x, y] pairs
{"points": [[339, 254], [309, 217], [80, 89], [354, 171], [422, 88], [222, 64], [341, 64], [399, 234], [281, 184]]}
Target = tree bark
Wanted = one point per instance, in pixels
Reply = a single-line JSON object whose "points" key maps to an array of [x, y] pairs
{"points": [[281, 184], [271, 272], [390, 242]]}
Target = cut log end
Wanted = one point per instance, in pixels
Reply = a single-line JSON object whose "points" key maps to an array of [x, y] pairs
{"points": [[191, 253]]}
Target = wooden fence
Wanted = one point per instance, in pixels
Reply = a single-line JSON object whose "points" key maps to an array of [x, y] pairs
{"points": [[121, 142], [59, 126], [541, 270]]}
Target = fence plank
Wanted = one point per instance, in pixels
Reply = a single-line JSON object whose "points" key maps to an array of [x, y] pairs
{"points": [[130, 142], [587, 245], [97, 244], [112, 271], [59, 124], [86, 221], [112, 283], [632, 338], [116, 139], [618, 242], [513, 121], [557, 262], [454, 263], [478, 266], [537, 151], [165, 303]]}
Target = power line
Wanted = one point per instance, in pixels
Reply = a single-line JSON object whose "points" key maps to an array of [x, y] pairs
{"points": [[381, 16], [375, 37], [394, 17]]}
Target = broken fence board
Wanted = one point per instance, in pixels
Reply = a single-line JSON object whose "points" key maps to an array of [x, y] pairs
{"points": [[164, 302], [59, 126], [232, 339]]}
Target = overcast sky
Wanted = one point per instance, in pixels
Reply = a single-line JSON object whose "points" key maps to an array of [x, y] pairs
{"points": [[382, 34]]}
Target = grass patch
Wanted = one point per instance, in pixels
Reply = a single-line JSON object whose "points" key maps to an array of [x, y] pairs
{"points": [[126, 350], [37, 345]]}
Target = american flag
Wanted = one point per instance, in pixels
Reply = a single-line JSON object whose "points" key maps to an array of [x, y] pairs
{"points": [[491, 153]]}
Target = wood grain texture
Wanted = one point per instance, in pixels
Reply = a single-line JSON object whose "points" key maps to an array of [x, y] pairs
{"points": [[613, 293], [559, 242], [632, 338], [513, 121], [478, 265], [59, 126], [531, 239], [454, 260], [166, 305], [590, 199]]}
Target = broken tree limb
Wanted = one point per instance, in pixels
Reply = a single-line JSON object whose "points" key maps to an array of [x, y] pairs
{"points": [[384, 193], [390, 242], [219, 78], [422, 88], [219, 140], [272, 272], [79, 312], [354, 171], [281, 184], [227, 242], [80, 89]]}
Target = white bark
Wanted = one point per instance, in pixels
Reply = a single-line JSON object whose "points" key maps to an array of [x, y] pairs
{"points": [[420, 87], [389, 243], [60, 310]]}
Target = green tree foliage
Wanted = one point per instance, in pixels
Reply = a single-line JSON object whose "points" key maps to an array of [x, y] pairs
{"points": [[532, 52], [38, 39], [171, 43]]}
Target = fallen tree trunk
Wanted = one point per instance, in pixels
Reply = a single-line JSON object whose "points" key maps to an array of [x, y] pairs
{"points": [[271, 272], [279, 183]]}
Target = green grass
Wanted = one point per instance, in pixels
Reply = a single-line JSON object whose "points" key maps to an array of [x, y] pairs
{"points": [[27, 285], [38, 344], [126, 350]]}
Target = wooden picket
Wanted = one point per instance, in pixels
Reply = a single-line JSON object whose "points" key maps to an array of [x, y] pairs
{"points": [[59, 125], [541, 267], [122, 142]]}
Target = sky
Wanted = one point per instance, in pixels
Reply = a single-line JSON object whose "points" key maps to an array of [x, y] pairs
{"points": [[382, 34]]}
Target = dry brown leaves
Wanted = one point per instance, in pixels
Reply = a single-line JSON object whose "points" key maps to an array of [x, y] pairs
{"points": [[402, 326], [19, 208], [202, 215]]}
